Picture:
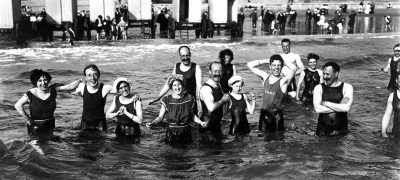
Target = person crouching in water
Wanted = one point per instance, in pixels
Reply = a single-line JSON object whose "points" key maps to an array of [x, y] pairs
{"points": [[238, 106], [393, 107], [180, 106], [127, 108]]}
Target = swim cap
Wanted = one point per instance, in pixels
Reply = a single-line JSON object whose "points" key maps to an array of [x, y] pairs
{"points": [[235, 79], [118, 81]]}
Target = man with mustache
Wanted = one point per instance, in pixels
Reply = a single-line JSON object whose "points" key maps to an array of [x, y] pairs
{"points": [[191, 75], [290, 57], [94, 96], [332, 100], [275, 87], [212, 99]]}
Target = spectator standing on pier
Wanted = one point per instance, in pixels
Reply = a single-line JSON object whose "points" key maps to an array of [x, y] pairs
{"points": [[292, 20], [308, 21], [254, 19], [282, 22], [163, 23], [240, 21], [316, 16], [352, 21], [171, 26], [99, 27]]}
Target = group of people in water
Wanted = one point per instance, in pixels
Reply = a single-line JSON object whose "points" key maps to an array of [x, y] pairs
{"points": [[206, 103]]}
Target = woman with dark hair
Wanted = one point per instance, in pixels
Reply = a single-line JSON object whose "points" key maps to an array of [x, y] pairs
{"points": [[127, 108], [179, 106], [228, 69], [311, 76], [99, 26], [42, 103]]}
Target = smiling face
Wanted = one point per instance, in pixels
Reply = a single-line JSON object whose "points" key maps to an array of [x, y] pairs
{"points": [[312, 63], [285, 47], [185, 55], [42, 83], [330, 76], [227, 59], [216, 70], [396, 52], [237, 87], [276, 68], [177, 87], [92, 77], [124, 89]]}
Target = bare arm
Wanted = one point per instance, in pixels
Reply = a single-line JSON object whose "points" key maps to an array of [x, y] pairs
{"points": [[110, 112], [250, 106], [19, 107], [106, 90], [321, 76], [301, 79], [300, 66], [289, 76], [69, 86], [252, 66], [317, 101], [79, 90], [165, 88], [345, 104], [199, 81], [159, 118], [208, 98], [386, 116], [198, 121], [234, 70], [387, 69], [139, 114]]}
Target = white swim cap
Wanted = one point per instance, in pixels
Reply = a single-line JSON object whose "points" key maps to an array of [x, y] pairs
{"points": [[235, 79]]}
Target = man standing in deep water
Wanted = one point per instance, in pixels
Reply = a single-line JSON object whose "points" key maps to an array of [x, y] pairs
{"points": [[191, 75], [212, 99], [290, 57], [332, 100], [94, 99], [275, 87]]}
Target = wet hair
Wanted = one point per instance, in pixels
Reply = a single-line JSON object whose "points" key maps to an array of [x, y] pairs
{"points": [[36, 74], [334, 66], [276, 57], [171, 82], [312, 56], [396, 45], [119, 84], [215, 62], [285, 40], [179, 50], [223, 53], [91, 66]]}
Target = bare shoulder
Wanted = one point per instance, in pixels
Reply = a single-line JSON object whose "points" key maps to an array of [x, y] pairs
{"points": [[347, 86]]}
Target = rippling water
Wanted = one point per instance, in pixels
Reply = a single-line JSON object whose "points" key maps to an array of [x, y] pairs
{"points": [[295, 154]]}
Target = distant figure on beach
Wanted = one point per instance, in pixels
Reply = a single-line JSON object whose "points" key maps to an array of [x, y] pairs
{"points": [[275, 87], [163, 20], [290, 57], [94, 96], [254, 18], [392, 67], [352, 21], [228, 69], [123, 28], [212, 100], [316, 16], [191, 76], [308, 20], [98, 27], [393, 107], [127, 108], [42, 103], [332, 101], [71, 34], [311, 76], [238, 105], [388, 21], [179, 107], [240, 21], [282, 22]]}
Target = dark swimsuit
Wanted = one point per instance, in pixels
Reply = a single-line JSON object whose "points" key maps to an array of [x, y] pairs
{"points": [[42, 113], [189, 78], [396, 118], [226, 74], [336, 121], [126, 127], [93, 110], [311, 79], [180, 114], [239, 124], [392, 86], [271, 115], [213, 118]]}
